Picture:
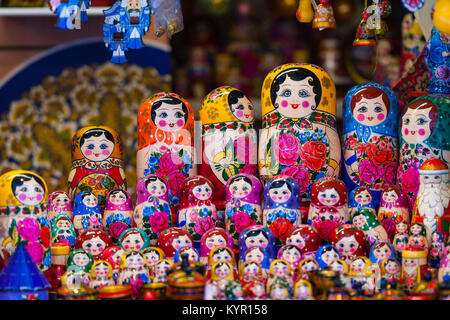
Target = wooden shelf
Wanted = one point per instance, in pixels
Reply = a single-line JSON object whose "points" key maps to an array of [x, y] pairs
{"points": [[42, 12]]}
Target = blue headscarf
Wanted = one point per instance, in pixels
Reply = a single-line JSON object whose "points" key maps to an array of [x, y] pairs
{"points": [[374, 259], [352, 201], [177, 256], [292, 203], [320, 251], [79, 208], [252, 231]]}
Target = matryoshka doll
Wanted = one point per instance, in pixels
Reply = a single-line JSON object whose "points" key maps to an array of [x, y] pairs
{"points": [[152, 256], [229, 138], [390, 269], [118, 213], [249, 271], [86, 212], [101, 275], [59, 202], [197, 213], [370, 140], [436, 249], [153, 215], [134, 239], [400, 240], [361, 272], [63, 230], [166, 142], [112, 254], [256, 236], [280, 269], [329, 206], [243, 204], [393, 209], [298, 104], [261, 256], [132, 270], [305, 266], [255, 290], [23, 215], [221, 273], [172, 239], [424, 129], [414, 266], [293, 255], [97, 162], [327, 254], [360, 198], [213, 238], [366, 220], [380, 251], [220, 253], [350, 242], [161, 270], [192, 254], [279, 290], [306, 238], [281, 206], [94, 241], [78, 268], [417, 236], [303, 290]]}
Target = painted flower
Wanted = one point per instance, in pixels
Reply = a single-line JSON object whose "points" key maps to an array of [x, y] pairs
{"points": [[313, 154], [167, 164], [193, 217], [389, 173], [116, 229], [243, 147], [442, 73], [379, 157], [325, 228], [368, 172], [281, 228], [410, 180], [300, 174], [204, 224], [174, 181], [389, 225], [45, 237], [158, 221], [28, 229], [242, 221], [36, 252], [249, 169], [286, 148]]}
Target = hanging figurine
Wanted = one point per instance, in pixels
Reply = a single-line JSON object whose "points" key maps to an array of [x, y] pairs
{"points": [[86, 212], [304, 13], [229, 138], [63, 230], [70, 13], [394, 208], [115, 37], [59, 202], [118, 213], [135, 19], [360, 198], [324, 18], [167, 17], [372, 26]]}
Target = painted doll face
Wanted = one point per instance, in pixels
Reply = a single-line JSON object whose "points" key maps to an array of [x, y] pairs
{"points": [[90, 201], [328, 197], [257, 240], [347, 245], [402, 227], [192, 254], [254, 254], [280, 269], [134, 261], [243, 110], [358, 265], [133, 5], [295, 99], [416, 125], [30, 193], [81, 259], [291, 255], [101, 270], [118, 198], [157, 188], [63, 224], [162, 268], [116, 257], [181, 241], [392, 267], [152, 257], [97, 148], [435, 239], [296, 239], [309, 266], [278, 292], [329, 256], [240, 189], [415, 229], [359, 221], [221, 256], [303, 291], [170, 117], [251, 269], [370, 112], [215, 241], [432, 180], [133, 241], [223, 271], [337, 266], [363, 197], [281, 194], [390, 196], [410, 263], [202, 192], [382, 252], [94, 246], [60, 201]]}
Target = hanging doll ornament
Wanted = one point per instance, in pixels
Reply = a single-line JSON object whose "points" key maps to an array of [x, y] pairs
{"points": [[304, 13], [324, 17], [94, 241], [350, 242], [59, 202], [97, 164], [166, 142], [118, 213], [306, 238], [243, 204], [23, 215], [70, 13], [229, 138], [63, 231], [86, 212], [167, 17], [299, 136], [372, 26], [360, 198], [370, 141], [116, 38], [172, 239], [394, 208], [213, 238]]}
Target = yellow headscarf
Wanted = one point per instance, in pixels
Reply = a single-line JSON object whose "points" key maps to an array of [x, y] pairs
{"points": [[7, 197]]}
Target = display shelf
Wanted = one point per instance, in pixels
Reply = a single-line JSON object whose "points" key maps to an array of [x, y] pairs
{"points": [[42, 12]]}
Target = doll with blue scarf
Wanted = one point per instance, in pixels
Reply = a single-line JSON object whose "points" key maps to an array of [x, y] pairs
{"points": [[86, 212], [256, 236], [370, 141], [360, 198]]}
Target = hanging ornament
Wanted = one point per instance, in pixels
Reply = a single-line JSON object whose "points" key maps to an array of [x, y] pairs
{"points": [[324, 18], [413, 5], [70, 12], [364, 35], [167, 17], [114, 36], [304, 12]]}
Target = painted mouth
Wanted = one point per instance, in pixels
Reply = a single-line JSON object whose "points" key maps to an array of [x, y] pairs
{"points": [[370, 118], [413, 132], [295, 106], [171, 125]]}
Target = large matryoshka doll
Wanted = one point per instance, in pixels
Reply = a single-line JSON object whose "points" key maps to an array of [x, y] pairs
{"points": [[281, 206], [393, 209], [23, 214], [229, 138], [299, 125], [424, 132], [370, 140], [59, 202], [118, 213], [97, 164], [166, 142], [243, 204]]}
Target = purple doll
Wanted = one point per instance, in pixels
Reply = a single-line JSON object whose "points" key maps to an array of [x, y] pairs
{"points": [[393, 209], [59, 202], [213, 238], [118, 213], [256, 236]]}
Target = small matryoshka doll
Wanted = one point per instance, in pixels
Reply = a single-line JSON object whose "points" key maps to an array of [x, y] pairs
{"points": [[414, 266], [255, 290], [222, 272], [256, 236], [59, 202], [393, 209], [229, 138], [249, 271], [281, 206], [112, 254], [94, 241], [280, 268], [361, 272], [279, 290], [63, 230], [153, 215], [328, 208], [23, 215], [350, 242], [327, 254], [213, 238], [132, 270], [118, 213], [172, 239], [360, 198], [97, 164], [161, 270], [260, 255], [166, 142], [152, 256], [192, 254], [391, 270], [101, 275], [220, 253], [444, 266], [298, 105], [306, 238], [134, 239], [303, 290], [292, 254], [417, 236], [366, 220], [424, 131], [79, 266], [197, 213], [243, 204], [380, 251], [86, 212], [370, 140], [400, 240], [305, 266], [436, 249]]}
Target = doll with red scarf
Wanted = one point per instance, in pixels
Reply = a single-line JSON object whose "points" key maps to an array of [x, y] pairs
{"points": [[94, 241], [172, 239], [306, 238], [350, 242]]}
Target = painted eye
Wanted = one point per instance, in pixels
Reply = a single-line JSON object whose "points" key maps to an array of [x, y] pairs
{"points": [[163, 115], [91, 147], [275, 192], [421, 121], [103, 146], [436, 178], [285, 192], [303, 94], [99, 245], [179, 115], [24, 189], [250, 107], [378, 109], [240, 107], [362, 109], [286, 93], [235, 188], [406, 121], [244, 188], [332, 196]]}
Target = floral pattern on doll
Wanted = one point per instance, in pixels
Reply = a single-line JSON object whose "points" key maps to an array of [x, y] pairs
{"points": [[367, 221], [117, 216], [86, 212], [63, 230], [393, 209]]}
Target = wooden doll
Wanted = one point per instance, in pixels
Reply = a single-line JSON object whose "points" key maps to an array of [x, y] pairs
{"points": [[414, 266], [63, 230], [101, 275], [233, 290], [59, 202], [213, 238], [303, 290], [118, 213], [255, 290], [400, 240], [132, 270], [360, 198], [299, 124], [153, 215], [243, 204], [279, 290], [370, 141], [152, 256], [292, 254], [220, 253], [94, 241], [279, 269], [436, 52], [417, 236], [133, 239], [390, 269], [229, 138], [306, 238], [393, 209], [436, 249], [97, 162], [361, 272], [350, 242], [172, 239], [192, 254], [166, 142], [281, 206], [261, 256], [327, 254], [256, 236], [78, 269], [424, 127], [328, 208], [221, 272], [367, 221], [305, 266], [197, 213], [161, 270], [112, 255], [249, 271], [380, 251], [86, 212]]}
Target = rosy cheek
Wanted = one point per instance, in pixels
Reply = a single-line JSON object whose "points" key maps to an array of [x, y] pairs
{"points": [[246, 192], [180, 123], [352, 250], [234, 192], [162, 123], [380, 116], [406, 131], [138, 246], [153, 192], [198, 195], [286, 197], [305, 104], [284, 103], [126, 246], [360, 117], [22, 197], [421, 132], [274, 198], [88, 152], [239, 113], [106, 152]]}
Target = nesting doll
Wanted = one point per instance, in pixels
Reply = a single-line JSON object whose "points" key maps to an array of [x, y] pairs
{"points": [[132, 270], [152, 256], [161, 270], [249, 271], [243, 204], [306, 238], [361, 272], [280, 269], [78, 268], [261, 256], [255, 290], [305, 266], [134, 239], [436, 58], [192, 254], [370, 140], [59, 202], [118, 213], [112, 254], [281, 206], [328, 208], [350, 242], [360, 198], [393, 209], [172, 239], [292, 254], [197, 213], [303, 290], [63, 230], [436, 249], [153, 215], [213, 238], [229, 138], [97, 164], [256, 236], [166, 142], [101, 275], [279, 290], [414, 266], [417, 236], [86, 212], [400, 240], [424, 131], [380, 251], [327, 254], [94, 241], [299, 136], [390, 269], [23, 215], [368, 222], [444, 266]]}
